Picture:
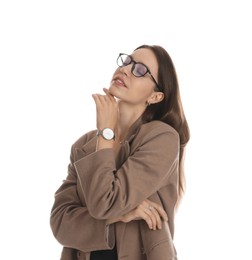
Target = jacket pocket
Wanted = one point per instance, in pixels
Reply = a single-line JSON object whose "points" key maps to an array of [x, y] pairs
{"points": [[158, 244], [162, 251]]}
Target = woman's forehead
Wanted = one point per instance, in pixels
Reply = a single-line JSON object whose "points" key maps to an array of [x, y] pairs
{"points": [[147, 57]]}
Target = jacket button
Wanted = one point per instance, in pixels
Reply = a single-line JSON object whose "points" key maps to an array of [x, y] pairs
{"points": [[78, 254]]}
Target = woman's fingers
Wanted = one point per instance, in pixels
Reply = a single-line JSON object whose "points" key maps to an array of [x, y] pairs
{"points": [[156, 213], [152, 213], [153, 216], [99, 99], [147, 211], [137, 214], [150, 216], [106, 110], [142, 213], [156, 216], [159, 209], [106, 91], [148, 219], [105, 100]]}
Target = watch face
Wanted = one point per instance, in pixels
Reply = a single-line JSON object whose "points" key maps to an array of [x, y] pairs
{"points": [[108, 133]]}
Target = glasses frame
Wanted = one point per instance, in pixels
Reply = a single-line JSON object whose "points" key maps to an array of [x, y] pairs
{"points": [[133, 67]]}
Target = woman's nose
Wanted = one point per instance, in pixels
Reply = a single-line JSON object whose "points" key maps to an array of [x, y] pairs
{"points": [[126, 69]]}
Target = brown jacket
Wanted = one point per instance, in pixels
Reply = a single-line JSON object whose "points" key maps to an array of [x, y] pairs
{"points": [[100, 186]]}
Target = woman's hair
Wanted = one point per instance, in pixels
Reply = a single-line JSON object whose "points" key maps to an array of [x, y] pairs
{"points": [[170, 109]]}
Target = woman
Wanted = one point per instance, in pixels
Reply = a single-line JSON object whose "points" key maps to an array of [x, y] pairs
{"points": [[125, 179]]}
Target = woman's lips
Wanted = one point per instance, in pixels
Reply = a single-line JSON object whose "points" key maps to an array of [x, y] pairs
{"points": [[119, 82]]}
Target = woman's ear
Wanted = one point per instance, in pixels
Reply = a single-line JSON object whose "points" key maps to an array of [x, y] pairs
{"points": [[155, 97]]}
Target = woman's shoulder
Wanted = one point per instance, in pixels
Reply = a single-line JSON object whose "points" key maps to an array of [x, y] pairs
{"points": [[157, 127], [156, 136], [156, 132]]}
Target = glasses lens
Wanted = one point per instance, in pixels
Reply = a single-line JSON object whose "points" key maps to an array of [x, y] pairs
{"points": [[123, 60], [139, 70]]}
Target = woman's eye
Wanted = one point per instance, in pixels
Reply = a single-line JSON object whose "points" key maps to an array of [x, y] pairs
{"points": [[140, 69]]}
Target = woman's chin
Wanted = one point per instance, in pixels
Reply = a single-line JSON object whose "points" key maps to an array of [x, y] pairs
{"points": [[114, 91]]}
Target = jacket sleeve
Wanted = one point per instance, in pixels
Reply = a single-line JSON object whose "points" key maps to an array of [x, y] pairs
{"points": [[71, 222], [110, 192]]}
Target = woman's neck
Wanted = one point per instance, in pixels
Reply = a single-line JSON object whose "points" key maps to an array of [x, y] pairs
{"points": [[128, 114]]}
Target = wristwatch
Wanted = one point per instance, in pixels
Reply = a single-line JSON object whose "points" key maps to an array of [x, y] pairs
{"points": [[107, 133]]}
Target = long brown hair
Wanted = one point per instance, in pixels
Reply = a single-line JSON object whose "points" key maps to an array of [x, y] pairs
{"points": [[170, 109]]}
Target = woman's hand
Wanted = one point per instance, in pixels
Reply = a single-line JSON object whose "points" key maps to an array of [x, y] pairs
{"points": [[151, 212], [106, 110]]}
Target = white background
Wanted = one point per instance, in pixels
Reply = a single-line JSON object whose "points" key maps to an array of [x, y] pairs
{"points": [[55, 54]]}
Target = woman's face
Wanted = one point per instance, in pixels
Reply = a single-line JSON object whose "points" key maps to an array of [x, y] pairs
{"points": [[131, 89]]}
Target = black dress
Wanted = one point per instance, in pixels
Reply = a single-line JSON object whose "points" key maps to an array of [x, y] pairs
{"points": [[104, 254]]}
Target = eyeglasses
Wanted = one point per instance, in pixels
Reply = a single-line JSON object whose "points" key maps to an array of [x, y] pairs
{"points": [[138, 69]]}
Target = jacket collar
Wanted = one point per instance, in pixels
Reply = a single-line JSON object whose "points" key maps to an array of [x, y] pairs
{"points": [[133, 130]]}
